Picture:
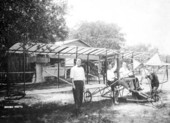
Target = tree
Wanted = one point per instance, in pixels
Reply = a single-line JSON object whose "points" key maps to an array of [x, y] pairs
{"points": [[144, 51], [139, 48], [99, 34], [31, 20]]}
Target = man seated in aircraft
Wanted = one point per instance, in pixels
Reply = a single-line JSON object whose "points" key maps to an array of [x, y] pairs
{"points": [[135, 79], [128, 76], [113, 82]]}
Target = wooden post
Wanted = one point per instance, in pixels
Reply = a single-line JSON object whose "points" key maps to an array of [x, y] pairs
{"points": [[7, 74], [99, 70], [118, 66], [132, 64], [58, 69], [24, 64], [105, 68], [76, 52], [167, 68], [88, 69]]}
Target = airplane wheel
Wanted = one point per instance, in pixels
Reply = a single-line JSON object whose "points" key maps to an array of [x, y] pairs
{"points": [[158, 102], [87, 96]]}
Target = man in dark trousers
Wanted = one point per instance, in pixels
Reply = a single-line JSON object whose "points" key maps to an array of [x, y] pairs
{"points": [[154, 82], [152, 76], [77, 75]]}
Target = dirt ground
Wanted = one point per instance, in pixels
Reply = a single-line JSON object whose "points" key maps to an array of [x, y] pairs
{"points": [[55, 107]]}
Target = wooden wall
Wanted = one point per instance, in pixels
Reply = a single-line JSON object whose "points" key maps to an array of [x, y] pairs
{"points": [[14, 70]]}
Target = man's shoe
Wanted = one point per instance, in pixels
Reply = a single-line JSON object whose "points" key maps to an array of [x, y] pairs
{"points": [[139, 89], [133, 91], [80, 111], [116, 103]]}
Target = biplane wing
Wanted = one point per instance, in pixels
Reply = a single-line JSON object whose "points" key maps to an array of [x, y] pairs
{"points": [[136, 64], [156, 61]]}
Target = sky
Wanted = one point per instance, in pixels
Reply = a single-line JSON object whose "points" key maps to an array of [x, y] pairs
{"points": [[142, 21]]}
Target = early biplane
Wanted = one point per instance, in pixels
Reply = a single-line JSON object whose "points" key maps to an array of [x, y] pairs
{"points": [[137, 96]]}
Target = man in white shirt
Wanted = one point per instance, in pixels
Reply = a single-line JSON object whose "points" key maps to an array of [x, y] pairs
{"points": [[77, 75], [128, 76], [124, 71], [110, 72], [113, 82]]}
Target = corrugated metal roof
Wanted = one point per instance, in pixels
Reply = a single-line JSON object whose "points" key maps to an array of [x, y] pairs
{"points": [[71, 51], [52, 49]]}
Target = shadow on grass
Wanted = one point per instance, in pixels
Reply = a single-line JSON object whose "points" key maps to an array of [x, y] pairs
{"points": [[43, 85], [33, 86], [53, 112], [94, 112]]}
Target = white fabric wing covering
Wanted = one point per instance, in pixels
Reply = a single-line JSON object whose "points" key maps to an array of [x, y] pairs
{"points": [[135, 64], [156, 61]]}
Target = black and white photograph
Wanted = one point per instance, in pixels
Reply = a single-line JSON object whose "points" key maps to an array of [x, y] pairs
{"points": [[84, 61]]}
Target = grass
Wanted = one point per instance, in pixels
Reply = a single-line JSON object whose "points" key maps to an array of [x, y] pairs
{"points": [[33, 86], [43, 85], [53, 112], [94, 112]]}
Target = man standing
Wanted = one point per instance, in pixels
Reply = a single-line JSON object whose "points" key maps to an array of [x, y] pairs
{"points": [[78, 82], [153, 78]]}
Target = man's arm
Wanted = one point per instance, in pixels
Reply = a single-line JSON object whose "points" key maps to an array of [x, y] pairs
{"points": [[141, 80], [115, 66], [72, 77], [73, 85], [143, 76], [84, 78], [120, 72], [130, 73]]}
